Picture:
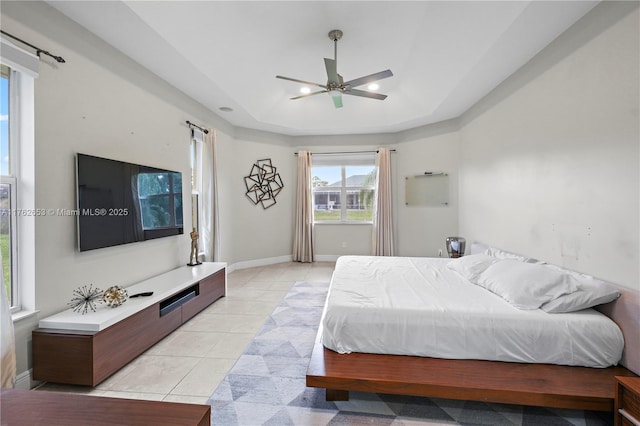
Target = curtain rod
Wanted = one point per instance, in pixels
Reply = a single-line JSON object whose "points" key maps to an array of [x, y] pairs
{"points": [[37, 49], [206, 132], [346, 152]]}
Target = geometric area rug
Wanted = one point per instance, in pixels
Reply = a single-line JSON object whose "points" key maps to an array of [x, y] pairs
{"points": [[266, 386]]}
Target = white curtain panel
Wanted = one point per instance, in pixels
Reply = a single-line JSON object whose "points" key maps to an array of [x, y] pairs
{"points": [[382, 243], [7, 339], [206, 185], [303, 235], [210, 142]]}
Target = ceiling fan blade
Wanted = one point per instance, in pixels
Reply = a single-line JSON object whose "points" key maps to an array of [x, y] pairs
{"points": [[340, 79], [369, 78], [309, 94], [302, 81], [337, 100], [365, 94], [332, 70]]}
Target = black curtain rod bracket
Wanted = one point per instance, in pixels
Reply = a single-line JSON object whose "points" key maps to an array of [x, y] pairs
{"points": [[206, 132], [38, 50]]}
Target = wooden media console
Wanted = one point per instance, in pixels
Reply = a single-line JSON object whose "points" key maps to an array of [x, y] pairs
{"points": [[86, 349]]}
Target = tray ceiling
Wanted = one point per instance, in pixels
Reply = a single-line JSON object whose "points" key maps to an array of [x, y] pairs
{"points": [[445, 55]]}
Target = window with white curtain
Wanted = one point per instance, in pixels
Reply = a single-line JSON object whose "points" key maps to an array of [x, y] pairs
{"points": [[196, 184], [18, 69], [343, 187]]}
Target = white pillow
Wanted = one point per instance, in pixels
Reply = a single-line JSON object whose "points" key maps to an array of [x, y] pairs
{"points": [[470, 267], [591, 292], [525, 285]]}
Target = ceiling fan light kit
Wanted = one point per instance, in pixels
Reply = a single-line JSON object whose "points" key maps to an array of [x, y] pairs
{"points": [[336, 86]]}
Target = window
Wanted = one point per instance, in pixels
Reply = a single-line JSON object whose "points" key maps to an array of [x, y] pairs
{"points": [[204, 202], [8, 189], [18, 70], [196, 183], [343, 188]]}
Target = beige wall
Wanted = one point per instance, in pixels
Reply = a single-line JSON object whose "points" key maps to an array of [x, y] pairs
{"points": [[550, 159], [258, 233], [422, 230], [103, 104]]}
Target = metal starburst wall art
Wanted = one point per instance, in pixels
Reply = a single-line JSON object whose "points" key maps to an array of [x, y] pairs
{"points": [[263, 183], [85, 298]]}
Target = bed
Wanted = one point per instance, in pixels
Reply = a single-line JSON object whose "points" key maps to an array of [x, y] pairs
{"points": [[442, 336]]}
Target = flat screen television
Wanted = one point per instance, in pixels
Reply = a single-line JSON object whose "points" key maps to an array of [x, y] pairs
{"points": [[121, 203]]}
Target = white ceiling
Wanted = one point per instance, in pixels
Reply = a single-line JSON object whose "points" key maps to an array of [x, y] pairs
{"points": [[445, 55]]}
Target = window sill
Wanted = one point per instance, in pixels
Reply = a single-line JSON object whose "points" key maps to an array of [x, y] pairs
{"points": [[22, 315]]}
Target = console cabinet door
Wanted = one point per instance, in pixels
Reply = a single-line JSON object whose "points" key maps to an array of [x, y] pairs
{"points": [[211, 289], [122, 342], [62, 356]]}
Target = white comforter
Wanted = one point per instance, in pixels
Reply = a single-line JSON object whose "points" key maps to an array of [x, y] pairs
{"points": [[416, 306]]}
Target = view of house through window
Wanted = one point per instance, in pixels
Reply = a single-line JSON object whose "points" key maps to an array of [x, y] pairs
{"points": [[343, 193]]}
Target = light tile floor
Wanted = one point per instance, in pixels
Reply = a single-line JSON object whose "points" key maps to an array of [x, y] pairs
{"points": [[188, 365]]}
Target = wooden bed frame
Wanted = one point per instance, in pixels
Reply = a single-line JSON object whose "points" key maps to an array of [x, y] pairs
{"points": [[542, 385]]}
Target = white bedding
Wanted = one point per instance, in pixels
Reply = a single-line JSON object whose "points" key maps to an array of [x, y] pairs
{"points": [[416, 306]]}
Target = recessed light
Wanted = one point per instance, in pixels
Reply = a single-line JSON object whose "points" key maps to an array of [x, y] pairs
{"points": [[305, 90], [373, 86], [226, 109]]}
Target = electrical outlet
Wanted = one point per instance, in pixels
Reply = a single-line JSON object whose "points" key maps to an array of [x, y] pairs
{"points": [[439, 252]]}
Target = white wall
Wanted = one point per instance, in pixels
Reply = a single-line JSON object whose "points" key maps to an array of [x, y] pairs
{"points": [[258, 233], [550, 160], [82, 106], [101, 103], [422, 230]]}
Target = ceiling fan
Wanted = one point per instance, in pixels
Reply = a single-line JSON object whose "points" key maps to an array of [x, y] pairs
{"points": [[336, 86]]}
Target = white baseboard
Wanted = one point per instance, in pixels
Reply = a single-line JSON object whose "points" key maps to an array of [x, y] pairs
{"points": [[279, 259], [24, 381], [259, 262], [326, 257]]}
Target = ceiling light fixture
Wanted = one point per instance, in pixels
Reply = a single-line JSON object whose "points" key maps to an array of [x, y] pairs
{"points": [[373, 86], [336, 86], [304, 90]]}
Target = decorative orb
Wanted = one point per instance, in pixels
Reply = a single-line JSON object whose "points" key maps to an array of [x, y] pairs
{"points": [[85, 298], [115, 296]]}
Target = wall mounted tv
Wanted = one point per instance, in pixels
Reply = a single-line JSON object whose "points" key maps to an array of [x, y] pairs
{"points": [[120, 203]]}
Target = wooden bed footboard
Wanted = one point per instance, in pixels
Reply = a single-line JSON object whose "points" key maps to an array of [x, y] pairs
{"points": [[542, 385]]}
